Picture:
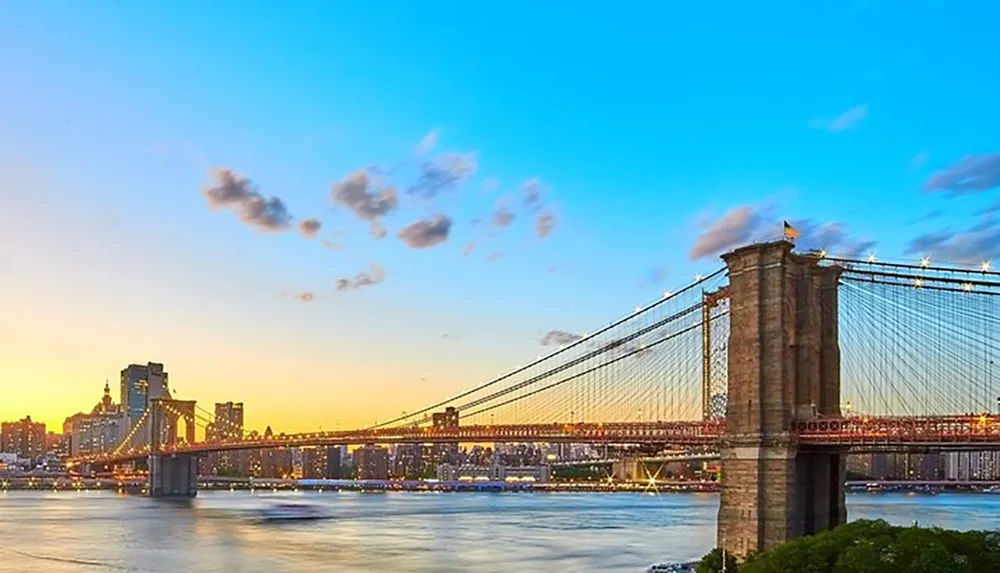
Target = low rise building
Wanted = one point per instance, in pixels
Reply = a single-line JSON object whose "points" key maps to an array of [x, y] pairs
{"points": [[494, 473]]}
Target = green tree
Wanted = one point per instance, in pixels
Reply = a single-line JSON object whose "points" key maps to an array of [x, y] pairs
{"points": [[712, 563], [874, 547]]}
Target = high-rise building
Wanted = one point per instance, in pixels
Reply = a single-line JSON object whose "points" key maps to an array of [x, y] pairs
{"points": [[371, 462], [972, 466], [24, 438], [321, 462], [139, 384], [228, 420], [228, 425], [408, 462]]}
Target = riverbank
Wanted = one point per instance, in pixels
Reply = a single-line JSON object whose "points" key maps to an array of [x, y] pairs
{"points": [[137, 484]]}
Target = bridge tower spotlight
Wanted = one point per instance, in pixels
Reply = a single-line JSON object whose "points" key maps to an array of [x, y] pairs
{"points": [[784, 367]]}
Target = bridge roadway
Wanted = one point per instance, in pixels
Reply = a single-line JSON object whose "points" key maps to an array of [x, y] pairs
{"points": [[969, 431]]}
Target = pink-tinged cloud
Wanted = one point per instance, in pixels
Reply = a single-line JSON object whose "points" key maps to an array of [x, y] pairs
{"points": [[736, 227], [230, 190], [310, 227], [544, 225], [426, 232]]}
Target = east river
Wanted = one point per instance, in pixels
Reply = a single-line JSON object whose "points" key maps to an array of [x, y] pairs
{"points": [[400, 532]]}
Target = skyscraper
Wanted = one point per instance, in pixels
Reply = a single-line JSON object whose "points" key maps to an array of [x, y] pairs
{"points": [[228, 425], [139, 384], [228, 420]]}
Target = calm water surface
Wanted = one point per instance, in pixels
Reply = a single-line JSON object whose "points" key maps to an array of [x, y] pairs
{"points": [[399, 532]]}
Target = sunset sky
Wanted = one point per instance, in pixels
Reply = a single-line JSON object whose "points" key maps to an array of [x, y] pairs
{"points": [[528, 167]]}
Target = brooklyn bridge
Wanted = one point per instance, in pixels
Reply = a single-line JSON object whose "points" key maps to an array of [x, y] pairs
{"points": [[779, 362]]}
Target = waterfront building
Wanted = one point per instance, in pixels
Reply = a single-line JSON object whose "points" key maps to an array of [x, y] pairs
{"points": [[972, 466], [408, 463], [371, 462], [322, 462], [494, 472], [25, 438]]}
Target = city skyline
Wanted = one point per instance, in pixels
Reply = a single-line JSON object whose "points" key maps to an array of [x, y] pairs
{"points": [[582, 177]]}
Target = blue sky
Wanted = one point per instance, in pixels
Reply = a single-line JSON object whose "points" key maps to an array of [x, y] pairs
{"points": [[657, 133]]}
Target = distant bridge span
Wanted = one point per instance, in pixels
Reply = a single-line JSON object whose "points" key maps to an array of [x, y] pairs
{"points": [[946, 432]]}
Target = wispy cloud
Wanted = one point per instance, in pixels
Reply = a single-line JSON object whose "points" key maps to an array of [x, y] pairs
{"points": [[426, 232], [491, 184], [231, 190], [748, 223], [469, 247], [309, 228], [428, 143], [368, 278], [305, 296], [493, 257], [972, 174], [842, 122], [734, 228], [989, 209], [832, 237], [332, 246], [928, 216], [559, 338], [444, 173], [978, 243]]}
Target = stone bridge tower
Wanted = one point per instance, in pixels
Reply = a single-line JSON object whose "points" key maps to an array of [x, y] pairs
{"points": [[784, 367]]}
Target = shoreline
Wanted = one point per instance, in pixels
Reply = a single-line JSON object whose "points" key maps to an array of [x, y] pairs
{"points": [[137, 485]]}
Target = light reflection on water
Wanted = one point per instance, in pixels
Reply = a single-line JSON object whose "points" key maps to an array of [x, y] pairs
{"points": [[398, 532]]}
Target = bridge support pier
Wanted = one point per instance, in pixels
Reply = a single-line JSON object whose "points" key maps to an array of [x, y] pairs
{"points": [[784, 367], [628, 468], [173, 475]]}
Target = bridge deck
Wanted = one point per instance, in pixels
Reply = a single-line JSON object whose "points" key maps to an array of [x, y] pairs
{"points": [[901, 432]]}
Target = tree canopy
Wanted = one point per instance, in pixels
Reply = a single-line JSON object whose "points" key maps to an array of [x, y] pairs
{"points": [[872, 547]]}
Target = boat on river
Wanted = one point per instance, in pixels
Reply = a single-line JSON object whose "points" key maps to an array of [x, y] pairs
{"points": [[290, 512]]}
